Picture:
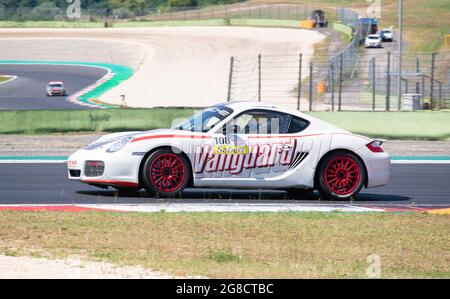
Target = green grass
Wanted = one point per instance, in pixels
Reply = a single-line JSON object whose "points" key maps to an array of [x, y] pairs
{"points": [[174, 23], [265, 23], [4, 78], [239, 245], [426, 22], [423, 125], [53, 121], [50, 24]]}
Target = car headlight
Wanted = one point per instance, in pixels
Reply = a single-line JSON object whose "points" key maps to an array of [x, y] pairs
{"points": [[119, 144]]}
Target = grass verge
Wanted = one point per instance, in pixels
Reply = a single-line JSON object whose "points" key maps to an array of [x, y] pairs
{"points": [[173, 23], [5, 78], [424, 125], [425, 22], [110, 120], [239, 245]]}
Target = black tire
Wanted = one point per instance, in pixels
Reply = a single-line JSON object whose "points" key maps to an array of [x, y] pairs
{"points": [[351, 177], [164, 181]]}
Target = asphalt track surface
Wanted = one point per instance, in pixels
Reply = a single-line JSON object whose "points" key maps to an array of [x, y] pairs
{"points": [[27, 92], [410, 185]]}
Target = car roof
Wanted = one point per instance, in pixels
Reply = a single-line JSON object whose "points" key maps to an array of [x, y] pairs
{"points": [[373, 35], [247, 105], [55, 82], [244, 105], [239, 106]]}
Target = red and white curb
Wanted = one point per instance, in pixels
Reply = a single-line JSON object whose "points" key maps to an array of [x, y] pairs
{"points": [[224, 207], [75, 97], [192, 207]]}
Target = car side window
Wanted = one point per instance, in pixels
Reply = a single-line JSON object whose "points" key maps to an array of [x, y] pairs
{"points": [[259, 122], [297, 125]]}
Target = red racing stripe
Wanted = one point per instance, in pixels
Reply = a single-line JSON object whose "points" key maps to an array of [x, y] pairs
{"points": [[111, 182], [169, 136]]}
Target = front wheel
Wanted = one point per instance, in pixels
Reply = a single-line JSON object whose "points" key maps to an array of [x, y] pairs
{"points": [[165, 174], [341, 175]]}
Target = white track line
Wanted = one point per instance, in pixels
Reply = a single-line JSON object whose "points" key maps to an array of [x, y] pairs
{"points": [[37, 161], [231, 207], [75, 97], [420, 162]]}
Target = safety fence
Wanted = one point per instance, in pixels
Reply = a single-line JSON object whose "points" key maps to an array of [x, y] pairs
{"points": [[347, 80], [49, 12], [311, 83], [238, 10]]}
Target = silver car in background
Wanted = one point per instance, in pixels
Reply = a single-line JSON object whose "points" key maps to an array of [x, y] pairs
{"points": [[56, 88]]}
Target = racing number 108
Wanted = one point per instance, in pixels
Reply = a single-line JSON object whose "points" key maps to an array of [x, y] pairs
{"points": [[222, 140]]}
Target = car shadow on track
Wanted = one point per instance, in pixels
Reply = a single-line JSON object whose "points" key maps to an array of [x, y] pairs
{"points": [[214, 195]]}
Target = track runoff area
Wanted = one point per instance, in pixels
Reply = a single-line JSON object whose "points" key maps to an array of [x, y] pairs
{"points": [[417, 184]]}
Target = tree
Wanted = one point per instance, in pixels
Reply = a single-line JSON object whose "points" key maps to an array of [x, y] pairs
{"points": [[182, 3], [46, 11]]}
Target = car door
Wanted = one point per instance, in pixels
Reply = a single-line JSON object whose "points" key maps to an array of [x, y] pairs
{"points": [[270, 149], [255, 145]]}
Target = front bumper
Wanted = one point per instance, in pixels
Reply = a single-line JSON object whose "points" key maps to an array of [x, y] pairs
{"points": [[56, 93], [120, 169], [373, 45]]}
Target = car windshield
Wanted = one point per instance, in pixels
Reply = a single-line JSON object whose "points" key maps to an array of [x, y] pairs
{"points": [[373, 37], [205, 120], [55, 85]]}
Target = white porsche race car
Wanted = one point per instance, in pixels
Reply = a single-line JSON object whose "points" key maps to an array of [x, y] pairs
{"points": [[236, 145]]}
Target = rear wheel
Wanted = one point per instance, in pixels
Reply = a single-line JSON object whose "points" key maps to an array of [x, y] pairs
{"points": [[165, 173], [341, 175]]}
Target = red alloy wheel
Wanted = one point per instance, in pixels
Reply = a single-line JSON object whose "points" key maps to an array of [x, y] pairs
{"points": [[167, 172], [342, 175]]}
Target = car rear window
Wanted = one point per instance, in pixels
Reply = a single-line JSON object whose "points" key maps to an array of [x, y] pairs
{"points": [[297, 124], [56, 85]]}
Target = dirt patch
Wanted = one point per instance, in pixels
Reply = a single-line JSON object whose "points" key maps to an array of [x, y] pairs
{"points": [[44, 145], [417, 148], [73, 268]]}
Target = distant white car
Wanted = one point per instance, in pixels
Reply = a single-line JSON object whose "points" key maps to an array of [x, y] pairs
{"points": [[56, 88], [236, 145], [387, 35], [373, 41]]}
